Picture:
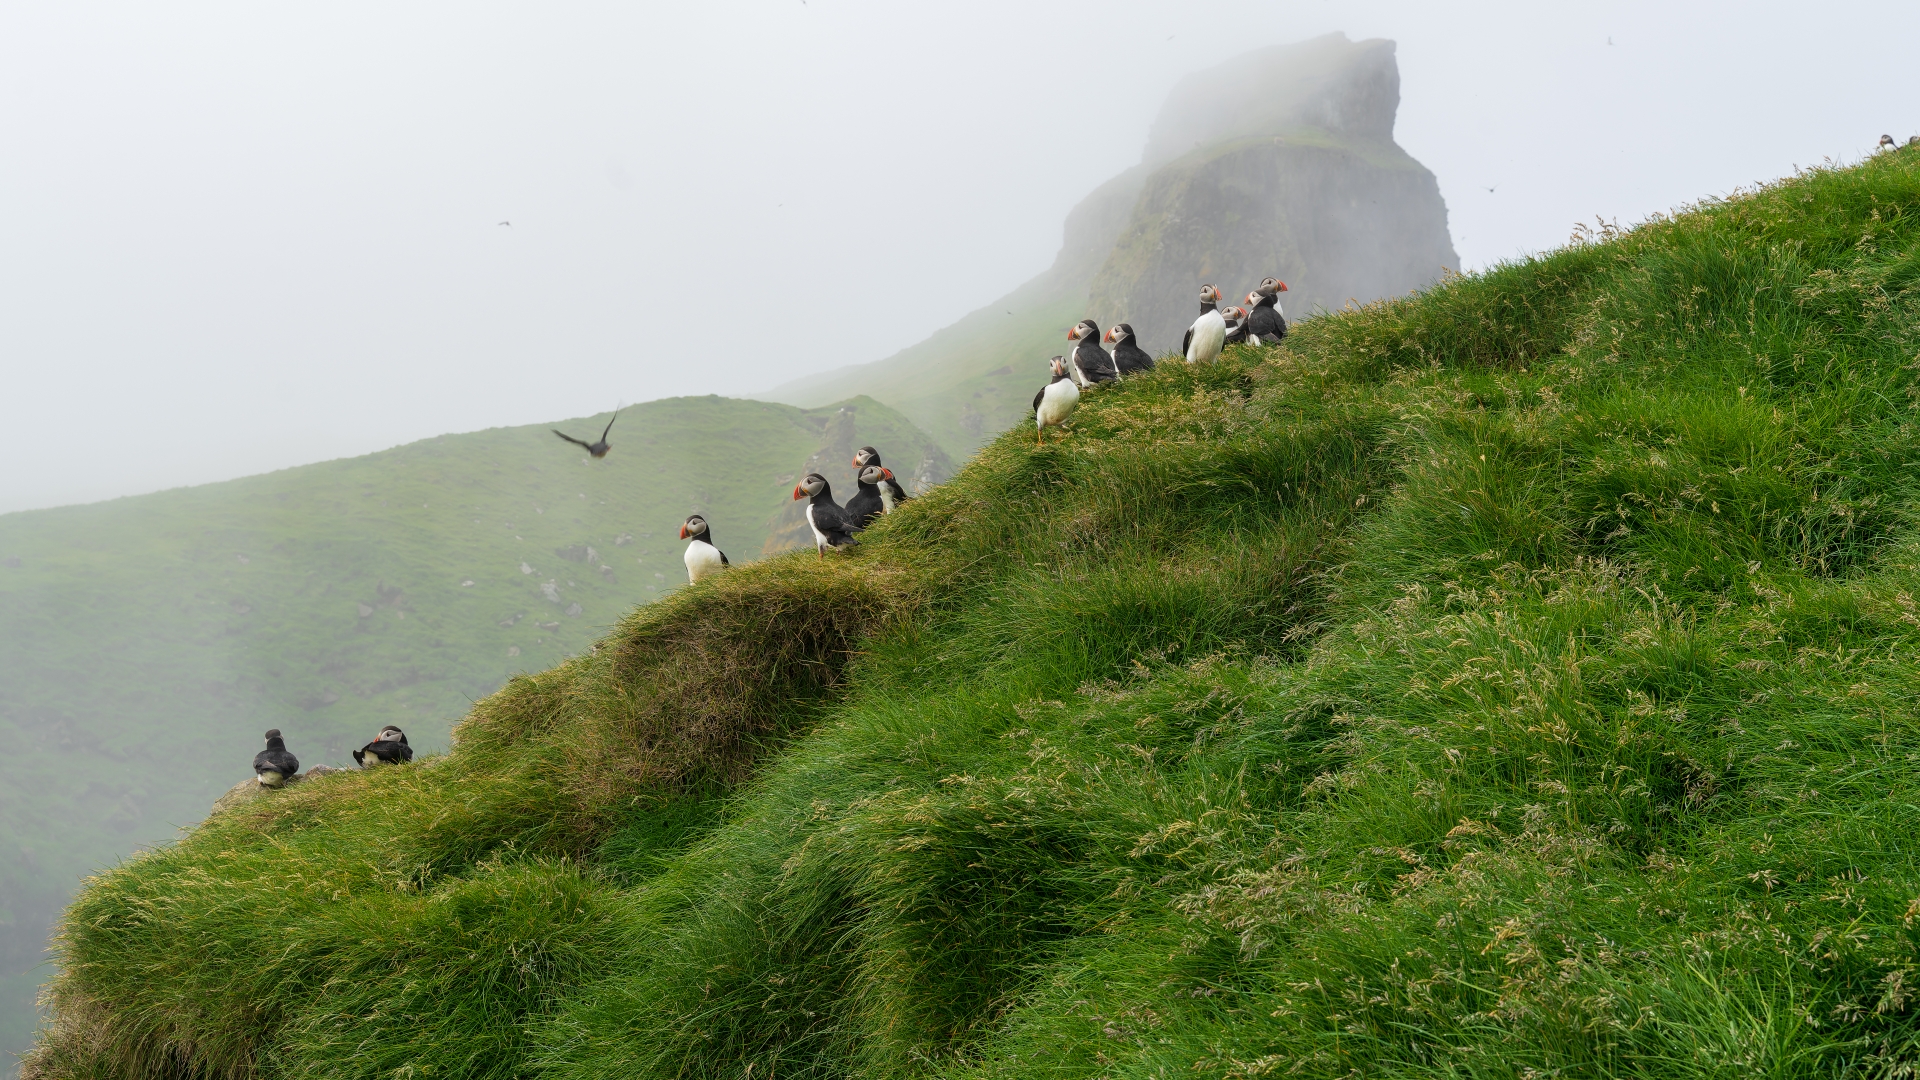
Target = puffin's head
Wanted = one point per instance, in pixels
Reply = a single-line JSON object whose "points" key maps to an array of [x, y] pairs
{"points": [[1234, 314], [1085, 330], [1887, 141], [1271, 287], [1120, 332], [1209, 294], [391, 734], [1253, 298], [1059, 366], [874, 474], [810, 485], [272, 734], [865, 456], [695, 527]]}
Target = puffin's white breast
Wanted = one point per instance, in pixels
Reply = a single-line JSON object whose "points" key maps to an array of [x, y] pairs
{"points": [[702, 559]]}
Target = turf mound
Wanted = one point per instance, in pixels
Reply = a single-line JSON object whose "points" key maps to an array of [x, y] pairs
{"points": [[1512, 680]]}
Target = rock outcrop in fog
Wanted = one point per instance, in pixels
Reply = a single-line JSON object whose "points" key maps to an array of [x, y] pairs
{"points": [[1279, 162]]}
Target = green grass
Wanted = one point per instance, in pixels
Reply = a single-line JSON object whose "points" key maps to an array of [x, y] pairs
{"points": [[149, 641], [1515, 680]]}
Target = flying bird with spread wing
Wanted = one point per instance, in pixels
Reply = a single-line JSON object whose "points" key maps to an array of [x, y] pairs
{"points": [[597, 449]]}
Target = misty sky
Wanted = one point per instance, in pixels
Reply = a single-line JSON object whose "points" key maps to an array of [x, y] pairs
{"points": [[239, 237]]}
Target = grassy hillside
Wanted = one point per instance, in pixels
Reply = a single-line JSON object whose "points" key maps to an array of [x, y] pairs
{"points": [[147, 642], [1515, 680]]}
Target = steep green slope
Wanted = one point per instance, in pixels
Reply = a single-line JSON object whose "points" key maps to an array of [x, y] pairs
{"points": [[147, 642], [1513, 680]]}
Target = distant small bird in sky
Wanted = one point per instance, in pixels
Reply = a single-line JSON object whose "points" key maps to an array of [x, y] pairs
{"points": [[508, 224], [1490, 191], [597, 449]]}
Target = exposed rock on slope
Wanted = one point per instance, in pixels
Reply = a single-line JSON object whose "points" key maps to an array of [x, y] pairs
{"points": [[1280, 161]]}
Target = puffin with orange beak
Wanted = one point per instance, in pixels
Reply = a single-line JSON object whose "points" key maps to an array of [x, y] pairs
{"points": [[702, 557], [1089, 362], [831, 526], [868, 502], [1128, 357], [1236, 318], [1266, 323], [1055, 401], [1208, 334], [891, 493]]}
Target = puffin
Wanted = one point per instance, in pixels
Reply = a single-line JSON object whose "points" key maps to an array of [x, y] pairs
{"points": [[275, 765], [1266, 323], [597, 449], [1090, 363], [1128, 357], [702, 558], [869, 502], [891, 493], [1887, 143], [1208, 334], [388, 748], [831, 526], [1236, 318], [1055, 401]]}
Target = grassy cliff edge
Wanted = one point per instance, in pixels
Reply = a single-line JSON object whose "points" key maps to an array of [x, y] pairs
{"points": [[1510, 680]]}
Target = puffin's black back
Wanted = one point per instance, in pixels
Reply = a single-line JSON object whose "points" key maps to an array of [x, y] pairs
{"points": [[1093, 361], [865, 505], [1266, 321], [1128, 356], [276, 757]]}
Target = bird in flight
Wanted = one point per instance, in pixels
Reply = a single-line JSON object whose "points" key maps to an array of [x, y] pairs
{"points": [[597, 449], [508, 224]]}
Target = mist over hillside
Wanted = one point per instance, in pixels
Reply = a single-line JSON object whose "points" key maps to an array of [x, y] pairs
{"points": [[1278, 162]]}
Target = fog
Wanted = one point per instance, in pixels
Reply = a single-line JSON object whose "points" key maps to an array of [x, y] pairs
{"points": [[235, 238]]}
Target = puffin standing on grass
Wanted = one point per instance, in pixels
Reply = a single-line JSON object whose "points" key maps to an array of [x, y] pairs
{"points": [[891, 493], [702, 558], [1055, 401], [1887, 143], [1128, 357], [869, 502], [388, 748], [1236, 319], [1266, 323], [275, 765], [1208, 334], [831, 526], [1090, 363]]}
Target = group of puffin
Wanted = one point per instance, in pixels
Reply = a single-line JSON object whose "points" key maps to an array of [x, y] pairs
{"points": [[1261, 322], [832, 525], [276, 765]]}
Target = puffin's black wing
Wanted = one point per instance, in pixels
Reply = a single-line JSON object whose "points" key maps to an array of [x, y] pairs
{"points": [[1268, 323], [1094, 363], [834, 523], [899, 494], [280, 761], [723, 558], [572, 440], [610, 420], [1186, 346], [1131, 358], [865, 506]]}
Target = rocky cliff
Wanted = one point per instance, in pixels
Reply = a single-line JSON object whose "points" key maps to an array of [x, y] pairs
{"points": [[1279, 162]]}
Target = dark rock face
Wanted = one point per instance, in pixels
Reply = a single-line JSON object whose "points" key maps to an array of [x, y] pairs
{"points": [[1291, 172]]}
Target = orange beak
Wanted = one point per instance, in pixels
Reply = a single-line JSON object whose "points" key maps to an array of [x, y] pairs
{"points": [[886, 472], [1283, 286], [683, 532], [1072, 330], [797, 493]]}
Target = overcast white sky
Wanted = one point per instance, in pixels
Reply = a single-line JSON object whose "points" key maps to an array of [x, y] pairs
{"points": [[236, 237]]}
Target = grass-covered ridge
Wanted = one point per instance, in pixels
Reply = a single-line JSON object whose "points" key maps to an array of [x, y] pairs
{"points": [[1513, 680]]}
